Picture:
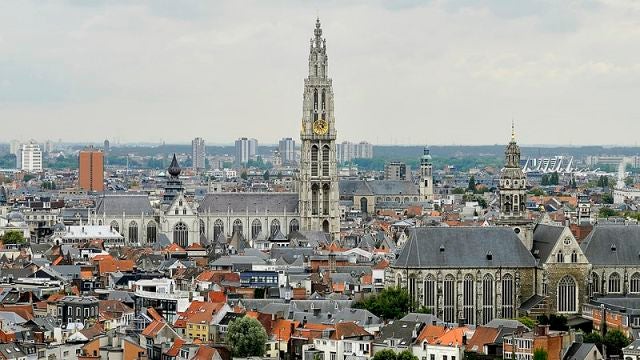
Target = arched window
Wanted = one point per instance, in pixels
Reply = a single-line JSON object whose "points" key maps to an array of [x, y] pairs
{"points": [[507, 297], [325, 199], [314, 160], [202, 228], [315, 190], [397, 199], [114, 225], [275, 226], [99, 222], [218, 228], [430, 293], [634, 284], [487, 298], [133, 232], [256, 228], [151, 232], [449, 299], [294, 225], [595, 283], [413, 294], [363, 205], [567, 295], [237, 227], [468, 299], [399, 281], [560, 257], [574, 257], [614, 283], [181, 234], [325, 160]]}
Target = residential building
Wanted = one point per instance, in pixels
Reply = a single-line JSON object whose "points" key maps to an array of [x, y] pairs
{"points": [[198, 154], [347, 151], [78, 309], [91, 170], [245, 150], [397, 170], [29, 157], [287, 151]]}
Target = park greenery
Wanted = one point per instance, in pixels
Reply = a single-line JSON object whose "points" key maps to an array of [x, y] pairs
{"points": [[247, 337], [390, 304], [13, 237], [613, 341]]}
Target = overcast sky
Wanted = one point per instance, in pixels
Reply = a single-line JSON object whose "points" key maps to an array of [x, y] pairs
{"points": [[404, 72]]}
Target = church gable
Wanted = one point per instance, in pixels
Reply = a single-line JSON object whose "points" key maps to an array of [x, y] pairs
{"points": [[180, 206], [554, 244]]}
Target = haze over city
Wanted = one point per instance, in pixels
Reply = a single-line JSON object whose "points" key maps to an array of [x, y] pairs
{"points": [[407, 72]]}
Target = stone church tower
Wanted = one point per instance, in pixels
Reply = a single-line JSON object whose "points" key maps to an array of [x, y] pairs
{"points": [[513, 194], [426, 176], [318, 169]]}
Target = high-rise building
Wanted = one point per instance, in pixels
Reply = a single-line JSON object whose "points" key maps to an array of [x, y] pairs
{"points": [[198, 153], [107, 146], [91, 169], [287, 148], [319, 210], [29, 157], [245, 150], [14, 147], [347, 151], [396, 170]]}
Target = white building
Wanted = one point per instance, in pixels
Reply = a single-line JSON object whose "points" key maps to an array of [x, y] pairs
{"points": [[348, 151], [29, 157]]}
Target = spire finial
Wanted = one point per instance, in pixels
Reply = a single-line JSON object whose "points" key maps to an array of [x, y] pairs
{"points": [[513, 131]]}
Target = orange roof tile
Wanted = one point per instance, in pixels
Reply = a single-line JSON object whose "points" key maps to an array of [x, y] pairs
{"points": [[204, 353], [153, 329], [453, 337], [174, 350], [430, 333], [174, 248], [482, 336]]}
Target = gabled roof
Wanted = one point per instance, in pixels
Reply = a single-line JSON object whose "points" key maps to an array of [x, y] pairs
{"points": [[545, 237], [613, 245], [116, 204], [481, 337], [252, 202], [463, 247]]}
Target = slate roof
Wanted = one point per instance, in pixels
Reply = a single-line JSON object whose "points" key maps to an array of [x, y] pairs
{"points": [[377, 187], [252, 202], [116, 204], [613, 245], [579, 351], [545, 238], [463, 247]]}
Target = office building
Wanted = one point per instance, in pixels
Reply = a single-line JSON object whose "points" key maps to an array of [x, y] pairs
{"points": [[347, 151], [91, 170], [245, 150], [198, 153], [29, 157]]}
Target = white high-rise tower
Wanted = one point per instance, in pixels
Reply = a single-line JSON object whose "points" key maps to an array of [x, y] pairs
{"points": [[318, 170]]}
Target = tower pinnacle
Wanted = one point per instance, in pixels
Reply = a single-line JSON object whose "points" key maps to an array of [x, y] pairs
{"points": [[513, 131]]}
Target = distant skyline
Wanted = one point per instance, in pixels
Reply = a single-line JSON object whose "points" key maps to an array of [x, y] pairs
{"points": [[404, 72]]}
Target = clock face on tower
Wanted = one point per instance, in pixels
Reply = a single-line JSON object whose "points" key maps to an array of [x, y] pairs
{"points": [[320, 127]]}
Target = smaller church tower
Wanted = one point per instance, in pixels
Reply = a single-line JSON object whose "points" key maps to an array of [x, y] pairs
{"points": [[174, 184], [513, 193], [426, 176]]}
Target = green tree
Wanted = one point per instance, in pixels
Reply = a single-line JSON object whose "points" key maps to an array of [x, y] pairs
{"points": [[527, 321], [536, 192], [628, 181], [615, 340], [28, 177], [555, 322], [594, 338], [554, 179], [265, 176], [385, 355], [244, 175], [458, 191], [406, 355], [247, 337], [472, 183], [390, 303], [545, 180], [606, 212], [13, 237], [607, 198], [540, 354]]}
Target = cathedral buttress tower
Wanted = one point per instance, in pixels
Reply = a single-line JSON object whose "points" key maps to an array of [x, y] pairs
{"points": [[318, 169]]}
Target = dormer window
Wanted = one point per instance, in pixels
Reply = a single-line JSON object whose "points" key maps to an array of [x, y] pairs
{"points": [[441, 248], [613, 247], [489, 255]]}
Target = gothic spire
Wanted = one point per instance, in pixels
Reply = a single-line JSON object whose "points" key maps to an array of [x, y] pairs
{"points": [[174, 169]]}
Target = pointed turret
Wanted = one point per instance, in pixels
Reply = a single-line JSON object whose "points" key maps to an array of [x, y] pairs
{"points": [[174, 169]]}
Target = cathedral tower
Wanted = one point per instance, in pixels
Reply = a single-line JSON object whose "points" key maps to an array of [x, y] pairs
{"points": [[426, 176], [318, 170]]}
